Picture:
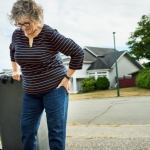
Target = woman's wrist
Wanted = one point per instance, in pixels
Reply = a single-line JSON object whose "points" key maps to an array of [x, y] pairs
{"points": [[70, 72], [66, 76]]}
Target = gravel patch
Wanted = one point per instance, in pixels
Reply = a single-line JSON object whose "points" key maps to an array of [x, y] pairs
{"points": [[74, 143]]}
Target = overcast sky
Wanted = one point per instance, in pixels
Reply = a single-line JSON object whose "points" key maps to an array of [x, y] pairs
{"points": [[87, 22]]}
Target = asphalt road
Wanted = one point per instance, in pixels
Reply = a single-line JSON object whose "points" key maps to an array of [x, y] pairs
{"points": [[120, 110], [131, 113]]}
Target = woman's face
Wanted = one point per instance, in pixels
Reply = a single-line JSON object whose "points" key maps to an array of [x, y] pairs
{"points": [[27, 25]]}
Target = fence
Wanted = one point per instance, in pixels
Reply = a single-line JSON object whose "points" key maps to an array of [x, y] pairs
{"points": [[126, 81]]}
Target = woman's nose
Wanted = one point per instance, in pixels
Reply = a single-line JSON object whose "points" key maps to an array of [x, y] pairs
{"points": [[23, 27]]}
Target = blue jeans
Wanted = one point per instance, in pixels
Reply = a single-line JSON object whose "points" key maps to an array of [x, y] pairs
{"points": [[55, 103]]}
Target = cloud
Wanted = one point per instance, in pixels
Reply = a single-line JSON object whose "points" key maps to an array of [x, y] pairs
{"points": [[87, 22]]}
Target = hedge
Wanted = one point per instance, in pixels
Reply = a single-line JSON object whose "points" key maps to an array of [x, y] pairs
{"points": [[102, 83], [143, 78], [88, 84]]}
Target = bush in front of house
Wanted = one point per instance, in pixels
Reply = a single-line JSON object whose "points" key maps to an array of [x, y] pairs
{"points": [[88, 84], [143, 78], [102, 83]]}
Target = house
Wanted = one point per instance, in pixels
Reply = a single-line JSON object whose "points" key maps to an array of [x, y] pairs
{"points": [[100, 62]]}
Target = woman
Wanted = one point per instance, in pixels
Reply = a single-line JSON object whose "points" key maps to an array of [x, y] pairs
{"points": [[35, 47]]}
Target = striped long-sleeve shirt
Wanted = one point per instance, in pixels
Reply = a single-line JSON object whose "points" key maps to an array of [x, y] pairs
{"points": [[41, 65]]}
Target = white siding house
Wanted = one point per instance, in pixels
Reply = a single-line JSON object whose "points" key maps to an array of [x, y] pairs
{"points": [[101, 62]]}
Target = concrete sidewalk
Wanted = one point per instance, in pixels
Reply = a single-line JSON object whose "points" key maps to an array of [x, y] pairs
{"points": [[108, 137], [117, 131]]}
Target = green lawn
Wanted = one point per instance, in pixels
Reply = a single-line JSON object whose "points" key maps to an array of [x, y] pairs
{"points": [[133, 91]]}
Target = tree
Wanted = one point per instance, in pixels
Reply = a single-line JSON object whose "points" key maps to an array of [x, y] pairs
{"points": [[139, 41]]}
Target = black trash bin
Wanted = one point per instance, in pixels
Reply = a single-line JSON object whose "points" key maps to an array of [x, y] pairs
{"points": [[11, 95]]}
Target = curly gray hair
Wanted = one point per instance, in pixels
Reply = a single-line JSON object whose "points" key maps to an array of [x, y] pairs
{"points": [[28, 9]]}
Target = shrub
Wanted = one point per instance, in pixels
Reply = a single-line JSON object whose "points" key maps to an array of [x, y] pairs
{"points": [[102, 83], [143, 79], [88, 84]]}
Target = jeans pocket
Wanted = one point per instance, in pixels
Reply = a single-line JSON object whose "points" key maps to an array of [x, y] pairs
{"points": [[62, 88]]}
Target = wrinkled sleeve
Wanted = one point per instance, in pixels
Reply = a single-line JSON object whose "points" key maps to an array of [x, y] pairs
{"points": [[68, 47], [12, 47]]}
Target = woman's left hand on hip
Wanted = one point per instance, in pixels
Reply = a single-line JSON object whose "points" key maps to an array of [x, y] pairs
{"points": [[66, 83]]}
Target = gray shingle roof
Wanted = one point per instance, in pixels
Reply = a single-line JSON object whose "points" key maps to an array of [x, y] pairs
{"points": [[105, 62], [88, 56], [91, 53], [102, 58], [99, 51]]}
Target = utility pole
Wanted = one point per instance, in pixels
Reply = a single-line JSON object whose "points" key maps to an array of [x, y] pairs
{"points": [[116, 65]]}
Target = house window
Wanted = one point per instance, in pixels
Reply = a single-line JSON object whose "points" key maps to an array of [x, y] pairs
{"points": [[102, 74], [91, 74]]}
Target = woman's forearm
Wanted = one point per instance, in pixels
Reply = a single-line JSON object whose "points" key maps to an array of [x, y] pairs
{"points": [[70, 72], [15, 66], [16, 72]]}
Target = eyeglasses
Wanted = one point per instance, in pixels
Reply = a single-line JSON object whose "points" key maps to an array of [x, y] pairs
{"points": [[26, 24]]}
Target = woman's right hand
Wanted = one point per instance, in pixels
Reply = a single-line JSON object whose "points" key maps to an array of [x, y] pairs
{"points": [[16, 75]]}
